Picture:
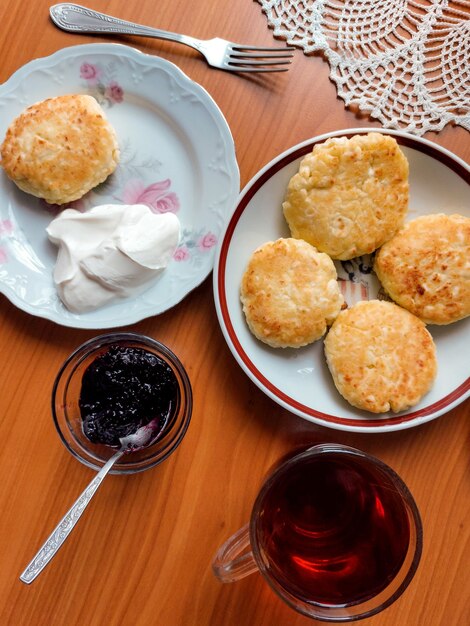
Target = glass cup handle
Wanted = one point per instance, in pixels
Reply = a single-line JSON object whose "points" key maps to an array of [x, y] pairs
{"points": [[234, 559]]}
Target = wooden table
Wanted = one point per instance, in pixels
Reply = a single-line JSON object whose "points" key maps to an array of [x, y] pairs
{"points": [[141, 555]]}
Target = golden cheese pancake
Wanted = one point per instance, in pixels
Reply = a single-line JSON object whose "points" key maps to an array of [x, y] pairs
{"points": [[349, 196], [425, 268], [289, 293], [382, 357], [60, 148]]}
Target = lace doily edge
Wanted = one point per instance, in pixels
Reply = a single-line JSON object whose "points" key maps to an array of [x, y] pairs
{"points": [[440, 118]]}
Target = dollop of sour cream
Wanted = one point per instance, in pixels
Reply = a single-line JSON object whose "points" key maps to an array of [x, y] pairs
{"points": [[110, 252]]}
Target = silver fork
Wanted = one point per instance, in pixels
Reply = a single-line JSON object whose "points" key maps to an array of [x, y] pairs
{"points": [[219, 53]]}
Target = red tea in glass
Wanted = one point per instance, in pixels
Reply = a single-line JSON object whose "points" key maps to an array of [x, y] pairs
{"points": [[334, 531]]}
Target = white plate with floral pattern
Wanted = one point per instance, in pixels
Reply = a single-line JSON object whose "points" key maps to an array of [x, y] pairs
{"points": [[177, 154], [299, 380]]}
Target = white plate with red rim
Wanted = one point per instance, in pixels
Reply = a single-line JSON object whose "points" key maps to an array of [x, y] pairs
{"points": [[299, 380], [177, 154]]}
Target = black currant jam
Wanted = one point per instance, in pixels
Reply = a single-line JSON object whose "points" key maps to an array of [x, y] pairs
{"points": [[124, 389]]}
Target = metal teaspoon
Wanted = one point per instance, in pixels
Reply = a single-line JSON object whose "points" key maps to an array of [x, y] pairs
{"points": [[136, 441]]}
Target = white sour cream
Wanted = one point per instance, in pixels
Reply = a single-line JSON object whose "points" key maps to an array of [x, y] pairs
{"points": [[110, 252]]}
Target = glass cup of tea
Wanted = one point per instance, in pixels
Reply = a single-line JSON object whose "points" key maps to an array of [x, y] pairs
{"points": [[334, 531]]}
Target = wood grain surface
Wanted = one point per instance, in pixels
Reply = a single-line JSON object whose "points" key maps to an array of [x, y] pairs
{"points": [[141, 555]]}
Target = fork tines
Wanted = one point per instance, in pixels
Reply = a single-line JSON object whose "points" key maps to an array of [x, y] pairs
{"points": [[246, 58]]}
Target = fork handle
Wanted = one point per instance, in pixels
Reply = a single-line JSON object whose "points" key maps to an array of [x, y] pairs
{"points": [[77, 19]]}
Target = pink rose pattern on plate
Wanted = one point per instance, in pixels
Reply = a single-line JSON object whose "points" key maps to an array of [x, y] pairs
{"points": [[101, 83], [114, 92], [182, 253], [156, 195], [192, 243]]}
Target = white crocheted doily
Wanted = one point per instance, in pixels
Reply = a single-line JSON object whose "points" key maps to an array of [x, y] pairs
{"points": [[405, 62]]}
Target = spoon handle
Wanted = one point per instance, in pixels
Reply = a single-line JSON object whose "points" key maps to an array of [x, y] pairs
{"points": [[66, 524]]}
